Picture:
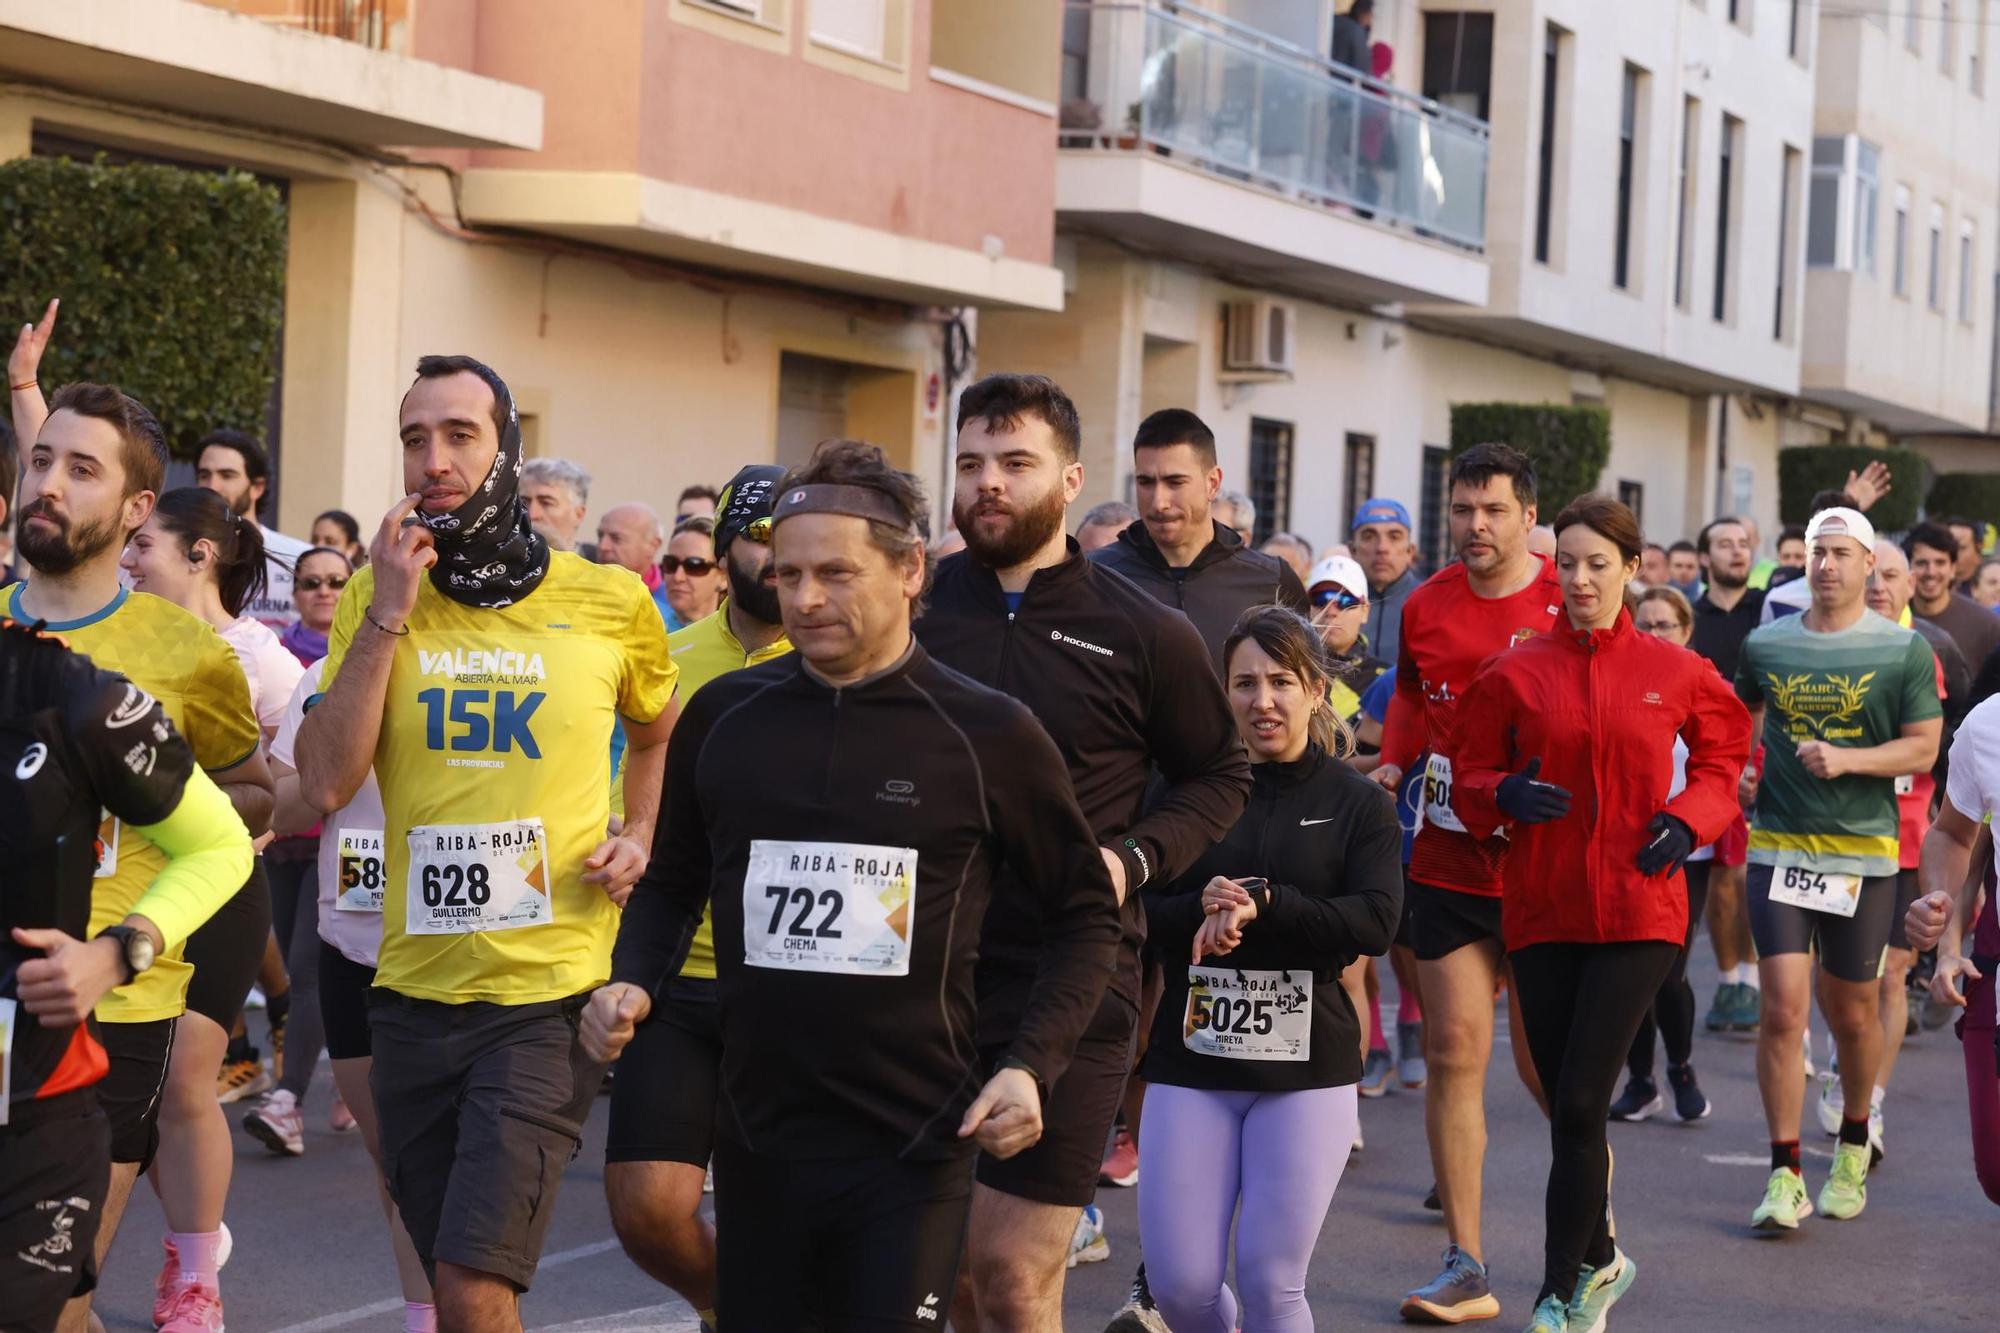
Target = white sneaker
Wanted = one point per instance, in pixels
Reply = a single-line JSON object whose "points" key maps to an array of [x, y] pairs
{"points": [[1088, 1245], [1832, 1103], [278, 1124], [1875, 1144]]}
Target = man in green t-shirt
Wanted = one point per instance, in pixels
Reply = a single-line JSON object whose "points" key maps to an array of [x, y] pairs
{"points": [[1851, 703]]}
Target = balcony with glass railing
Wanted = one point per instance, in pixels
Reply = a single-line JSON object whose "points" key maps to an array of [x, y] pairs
{"points": [[1180, 84], [380, 24]]}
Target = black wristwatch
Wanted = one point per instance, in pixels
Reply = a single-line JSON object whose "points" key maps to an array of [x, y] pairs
{"points": [[135, 946]]}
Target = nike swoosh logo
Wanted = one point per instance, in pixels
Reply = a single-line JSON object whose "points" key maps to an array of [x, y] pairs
{"points": [[1308, 823]]}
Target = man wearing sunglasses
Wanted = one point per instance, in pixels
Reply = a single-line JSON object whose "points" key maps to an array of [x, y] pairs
{"points": [[662, 1129], [1338, 591], [1124, 686]]}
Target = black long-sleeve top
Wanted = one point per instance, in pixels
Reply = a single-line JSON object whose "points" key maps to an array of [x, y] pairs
{"points": [[1124, 687], [1327, 840], [772, 776]]}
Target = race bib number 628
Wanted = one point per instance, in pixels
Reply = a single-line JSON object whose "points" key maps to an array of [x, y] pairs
{"points": [[475, 877], [829, 907]]}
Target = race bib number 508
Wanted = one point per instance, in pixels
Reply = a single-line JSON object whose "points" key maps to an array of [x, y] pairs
{"points": [[829, 907]]}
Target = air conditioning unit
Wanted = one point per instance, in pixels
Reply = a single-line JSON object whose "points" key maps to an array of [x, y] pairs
{"points": [[1257, 337]]}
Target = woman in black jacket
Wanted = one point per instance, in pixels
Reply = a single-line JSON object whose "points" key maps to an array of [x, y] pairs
{"points": [[1255, 1052]]}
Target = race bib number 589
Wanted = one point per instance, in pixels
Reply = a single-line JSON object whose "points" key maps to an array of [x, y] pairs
{"points": [[829, 907]]}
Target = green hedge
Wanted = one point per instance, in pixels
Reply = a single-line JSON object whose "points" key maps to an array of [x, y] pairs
{"points": [[1569, 445], [1973, 495], [1807, 469], [172, 284]]}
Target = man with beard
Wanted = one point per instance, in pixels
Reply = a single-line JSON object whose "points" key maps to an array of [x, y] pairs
{"points": [[1725, 613], [1124, 687], [237, 468], [1181, 554], [488, 727], [95, 461], [662, 1128], [1932, 552]]}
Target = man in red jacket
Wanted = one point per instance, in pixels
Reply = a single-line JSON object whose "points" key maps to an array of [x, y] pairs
{"points": [[1496, 595]]}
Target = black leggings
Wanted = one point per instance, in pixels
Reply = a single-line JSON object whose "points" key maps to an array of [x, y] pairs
{"points": [[1580, 1004], [1672, 1014]]}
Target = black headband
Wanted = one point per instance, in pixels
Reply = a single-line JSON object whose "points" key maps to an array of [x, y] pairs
{"points": [[854, 501]]}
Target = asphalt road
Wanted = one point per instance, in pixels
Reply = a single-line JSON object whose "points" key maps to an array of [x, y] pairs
{"points": [[311, 1253]]}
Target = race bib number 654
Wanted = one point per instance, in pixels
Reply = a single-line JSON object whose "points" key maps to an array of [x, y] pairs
{"points": [[1816, 891], [829, 907]]}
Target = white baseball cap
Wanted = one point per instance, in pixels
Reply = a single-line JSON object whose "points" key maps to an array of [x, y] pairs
{"points": [[1840, 521], [1341, 572]]}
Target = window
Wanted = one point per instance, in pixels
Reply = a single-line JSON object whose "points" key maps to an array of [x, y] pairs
{"points": [[1271, 476], [1793, 33], [1458, 62], [1934, 287], [1829, 171], [1913, 25], [1433, 531], [1787, 190], [1867, 203], [1725, 190], [1545, 180], [1632, 494], [1965, 271], [1628, 144], [853, 26], [1944, 37], [1360, 478], [1900, 261], [1684, 213]]}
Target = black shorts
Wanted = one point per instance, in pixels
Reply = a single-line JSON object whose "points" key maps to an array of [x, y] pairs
{"points": [[1849, 947], [837, 1244], [1437, 922], [663, 1100], [1062, 1168], [227, 949], [343, 1004], [130, 1092], [1906, 893], [55, 1169], [481, 1106]]}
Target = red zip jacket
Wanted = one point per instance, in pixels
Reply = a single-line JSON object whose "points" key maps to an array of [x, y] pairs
{"points": [[1601, 708]]}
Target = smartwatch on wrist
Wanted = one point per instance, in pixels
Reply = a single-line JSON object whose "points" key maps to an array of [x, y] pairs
{"points": [[135, 946]]}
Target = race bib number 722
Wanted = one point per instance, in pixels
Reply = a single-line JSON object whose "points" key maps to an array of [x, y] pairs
{"points": [[829, 907]]}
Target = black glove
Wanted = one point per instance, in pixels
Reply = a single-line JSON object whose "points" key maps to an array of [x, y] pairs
{"points": [[1527, 801], [1667, 846]]}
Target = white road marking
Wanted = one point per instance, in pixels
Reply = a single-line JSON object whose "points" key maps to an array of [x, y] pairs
{"points": [[361, 1312], [1736, 1159], [672, 1317]]}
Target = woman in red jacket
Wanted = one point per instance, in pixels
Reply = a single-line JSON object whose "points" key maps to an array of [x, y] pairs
{"points": [[1566, 742]]}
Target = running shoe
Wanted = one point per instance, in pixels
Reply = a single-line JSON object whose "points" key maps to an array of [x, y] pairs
{"points": [[1641, 1100], [1355, 1147], [1877, 1149], [197, 1309], [1410, 1065], [1432, 1203], [1457, 1295], [1121, 1164], [1375, 1074], [1690, 1102], [1597, 1290], [241, 1079], [277, 1123], [1785, 1202], [1551, 1316], [1845, 1193], [1832, 1102], [167, 1286], [1722, 1009], [340, 1120], [1088, 1245], [1749, 1010], [1139, 1314]]}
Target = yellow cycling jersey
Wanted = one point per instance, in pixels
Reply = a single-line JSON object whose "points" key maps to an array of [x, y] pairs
{"points": [[703, 651], [494, 763], [180, 660]]}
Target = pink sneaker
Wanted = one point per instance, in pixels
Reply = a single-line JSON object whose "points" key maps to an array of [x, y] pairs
{"points": [[167, 1286], [278, 1124], [198, 1309], [1121, 1164]]}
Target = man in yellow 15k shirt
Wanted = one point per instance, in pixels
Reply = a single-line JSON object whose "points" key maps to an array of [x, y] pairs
{"points": [[480, 675], [663, 1104]]}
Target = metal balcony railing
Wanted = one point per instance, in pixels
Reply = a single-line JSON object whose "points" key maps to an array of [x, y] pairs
{"points": [[372, 23], [1212, 94]]}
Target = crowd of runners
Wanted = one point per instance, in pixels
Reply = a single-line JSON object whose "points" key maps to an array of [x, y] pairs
{"points": [[907, 901]]}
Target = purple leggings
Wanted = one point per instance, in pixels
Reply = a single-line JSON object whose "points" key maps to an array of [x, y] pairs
{"points": [[1982, 1077], [1282, 1153]]}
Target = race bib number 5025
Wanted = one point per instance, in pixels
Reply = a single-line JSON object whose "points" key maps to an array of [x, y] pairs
{"points": [[829, 907]]}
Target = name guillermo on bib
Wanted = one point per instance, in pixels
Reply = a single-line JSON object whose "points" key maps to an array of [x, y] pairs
{"points": [[478, 877], [1248, 1014], [829, 907]]}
